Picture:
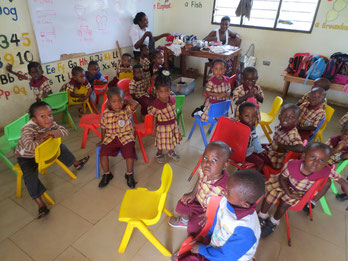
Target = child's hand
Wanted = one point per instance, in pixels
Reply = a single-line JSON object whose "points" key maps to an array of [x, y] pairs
{"points": [[99, 143], [295, 196], [148, 34], [9, 67], [203, 221], [44, 136], [194, 248], [250, 94], [341, 145], [254, 91], [188, 198]]}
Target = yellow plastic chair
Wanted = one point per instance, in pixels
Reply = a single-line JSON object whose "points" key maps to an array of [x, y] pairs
{"points": [[124, 75], [73, 101], [47, 153], [141, 208], [329, 111], [268, 118]]}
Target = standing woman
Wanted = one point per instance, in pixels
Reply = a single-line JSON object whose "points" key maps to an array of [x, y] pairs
{"points": [[139, 34]]}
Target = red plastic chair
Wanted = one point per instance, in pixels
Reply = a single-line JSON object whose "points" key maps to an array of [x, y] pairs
{"points": [[91, 122], [142, 130], [236, 136], [101, 89], [124, 85]]}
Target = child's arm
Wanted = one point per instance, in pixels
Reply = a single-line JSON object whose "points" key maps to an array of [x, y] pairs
{"points": [[58, 131], [156, 38], [298, 148], [340, 146], [283, 182], [19, 75], [244, 98], [211, 37], [103, 131], [133, 104], [219, 95], [258, 94], [189, 197], [31, 141], [306, 128]]}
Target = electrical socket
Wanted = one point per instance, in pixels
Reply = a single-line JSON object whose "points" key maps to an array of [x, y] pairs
{"points": [[267, 63]]}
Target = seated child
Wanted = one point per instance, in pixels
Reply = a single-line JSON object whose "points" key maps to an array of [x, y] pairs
{"points": [[312, 113], [94, 77], [40, 128], [117, 134], [212, 181], [344, 119], [39, 83], [163, 110], [318, 83], [218, 87], [138, 89], [295, 179], [235, 231], [248, 91], [123, 65], [145, 63], [158, 61]]}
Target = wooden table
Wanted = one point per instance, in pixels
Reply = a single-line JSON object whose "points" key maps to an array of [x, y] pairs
{"points": [[288, 78]]}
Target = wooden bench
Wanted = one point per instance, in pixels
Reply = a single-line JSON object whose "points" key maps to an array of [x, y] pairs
{"points": [[288, 78]]}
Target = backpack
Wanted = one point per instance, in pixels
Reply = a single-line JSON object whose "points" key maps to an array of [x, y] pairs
{"points": [[295, 62], [304, 66], [338, 64], [316, 69]]}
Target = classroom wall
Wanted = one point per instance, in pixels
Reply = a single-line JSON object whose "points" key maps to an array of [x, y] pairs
{"points": [[194, 17]]}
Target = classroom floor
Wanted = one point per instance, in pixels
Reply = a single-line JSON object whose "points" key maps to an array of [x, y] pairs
{"points": [[83, 224]]}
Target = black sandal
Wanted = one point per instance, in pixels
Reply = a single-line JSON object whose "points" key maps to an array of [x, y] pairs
{"points": [[43, 211], [81, 163]]}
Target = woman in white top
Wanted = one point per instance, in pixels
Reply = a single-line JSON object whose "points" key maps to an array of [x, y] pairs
{"points": [[139, 34]]}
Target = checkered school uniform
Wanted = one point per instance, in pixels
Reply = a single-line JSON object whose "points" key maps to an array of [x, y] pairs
{"points": [[41, 87], [333, 142], [120, 68], [72, 85], [155, 68], [216, 86], [241, 91], [167, 131], [138, 89], [298, 183], [286, 137], [344, 119], [117, 124], [305, 98], [145, 63], [310, 117]]}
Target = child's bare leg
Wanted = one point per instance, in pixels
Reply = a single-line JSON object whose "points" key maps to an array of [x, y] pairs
{"points": [[43, 210], [130, 164], [159, 156], [269, 226], [129, 174], [159, 152], [265, 207], [281, 209], [323, 191], [104, 160], [40, 202]]}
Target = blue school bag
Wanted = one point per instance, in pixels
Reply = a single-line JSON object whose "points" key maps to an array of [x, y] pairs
{"points": [[317, 68]]}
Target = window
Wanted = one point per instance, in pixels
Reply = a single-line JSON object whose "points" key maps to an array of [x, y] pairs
{"points": [[289, 15]]}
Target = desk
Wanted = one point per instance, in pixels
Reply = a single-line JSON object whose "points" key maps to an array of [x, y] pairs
{"points": [[288, 78]]}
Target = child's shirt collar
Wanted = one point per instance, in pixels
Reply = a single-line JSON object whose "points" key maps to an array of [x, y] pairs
{"points": [[76, 84], [307, 104], [287, 129], [241, 212], [39, 82], [294, 167], [158, 104], [216, 81]]}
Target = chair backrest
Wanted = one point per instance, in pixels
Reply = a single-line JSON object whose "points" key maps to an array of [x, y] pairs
{"points": [[148, 122], [124, 75], [329, 111], [277, 103], [317, 129], [12, 131], [235, 134], [232, 81], [179, 101], [166, 182], [216, 110], [124, 85], [106, 77], [47, 153], [56, 100], [104, 105], [341, 166]]}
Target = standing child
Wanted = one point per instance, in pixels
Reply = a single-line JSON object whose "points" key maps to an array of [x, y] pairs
{"points": [[248, 91], [145, 63], [218, 87], [39, 83], [117, 134], [158, 61], [163, 109], [312, 113], [123, 65], [40, 128], [295, 179], [94, 77], [235, 232], [212, 181], [318, 83]]}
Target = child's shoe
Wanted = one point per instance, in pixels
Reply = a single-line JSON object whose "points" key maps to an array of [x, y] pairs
{"points": [[177, 222], [174, 156], [267, 229], [105, 180], [306, 208], [130, 180], [262, 221], [160, 158], [341, 197]]}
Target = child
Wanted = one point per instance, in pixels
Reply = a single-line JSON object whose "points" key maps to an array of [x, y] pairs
{"points": [[39, 83], [123, 65], [158, 61], [138, 89], [163, 110], [312, 113], [318, 83], [248, 91], [235, 232], [344, 119], [117, 134], [294, 181], [145, 63], [212, 180], [40, 128], [94, 77], [285, 139], [218, 87]]}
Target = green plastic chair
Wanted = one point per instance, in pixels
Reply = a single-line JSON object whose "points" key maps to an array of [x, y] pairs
{"points": [[339, 168], [179, 103], [59, 103]]}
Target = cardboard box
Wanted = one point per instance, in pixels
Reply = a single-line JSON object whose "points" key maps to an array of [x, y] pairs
{"points": [[183, 86]]}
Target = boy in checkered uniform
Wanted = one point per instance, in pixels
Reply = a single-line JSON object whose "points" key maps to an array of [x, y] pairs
{"points": [[164, 113], [117, 134], [123, 65], [295, 179], [318, 83], [212, 181], [138, 89], [145, 63], [312, 113]]}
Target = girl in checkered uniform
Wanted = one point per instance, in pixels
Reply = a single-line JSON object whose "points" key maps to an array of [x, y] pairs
{"points": [[163, 110]]}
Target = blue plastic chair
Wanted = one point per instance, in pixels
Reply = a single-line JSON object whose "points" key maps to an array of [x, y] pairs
{"points": [[316, 130], [216, 110]]}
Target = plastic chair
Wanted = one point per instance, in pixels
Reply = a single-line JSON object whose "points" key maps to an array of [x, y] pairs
{"points": [[339, 168], [100, 89], [216, 110], [226, 130], [141, 208], [74, 101], [179, 104], [125, 75], [59, 103], [316, 130], [47, 153], [329, 111], [124, 85], [268, 118], [143, 129]]}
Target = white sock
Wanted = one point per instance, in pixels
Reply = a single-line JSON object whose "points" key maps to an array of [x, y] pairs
{"points": [[263, 215], [185, 221], [313, 202], [274, 221]]}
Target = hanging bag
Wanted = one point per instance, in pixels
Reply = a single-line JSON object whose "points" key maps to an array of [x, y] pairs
{"points": [[248, 59]]}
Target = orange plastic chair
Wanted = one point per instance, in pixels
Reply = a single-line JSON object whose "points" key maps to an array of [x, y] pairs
{"points": [[101, 89], [236, 135], [143, 129], [124, 85]]}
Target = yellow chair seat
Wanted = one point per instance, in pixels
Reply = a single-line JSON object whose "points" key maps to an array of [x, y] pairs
{"points": [[266, 118]]}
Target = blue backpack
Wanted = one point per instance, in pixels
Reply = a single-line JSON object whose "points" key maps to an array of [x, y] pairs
{"points": [[316, 69]]}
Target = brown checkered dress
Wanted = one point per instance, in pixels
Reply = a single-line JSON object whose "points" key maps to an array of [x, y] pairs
{"points": [[145, 63], [310, 117], [120, 68], [72, 85], [41, 87], [216, 86], [344, 119], [298, 183], [138, 89], [167, 135], [118, 124], [333, 143], [285, 137]]}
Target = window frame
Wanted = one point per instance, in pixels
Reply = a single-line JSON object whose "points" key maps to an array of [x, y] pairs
{"points": [[275, 21]]}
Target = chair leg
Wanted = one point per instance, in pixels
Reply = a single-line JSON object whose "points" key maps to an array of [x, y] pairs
{"points": [[321, 137], [288, 228], [269, 129], [7, 161], [202, 133], [142, 149], [183, 124], [325, 206], [266, 133], [19, 183], [70, 120], [89, 106], [211, 128], [135, 119], [65, 168], [48, 199], [84, 137], [94, 107], [192, 129], [126, 237], [169, 214], [333, 188]]}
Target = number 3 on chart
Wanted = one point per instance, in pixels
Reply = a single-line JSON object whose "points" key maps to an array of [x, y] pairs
{"points": [[3, 41]]}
